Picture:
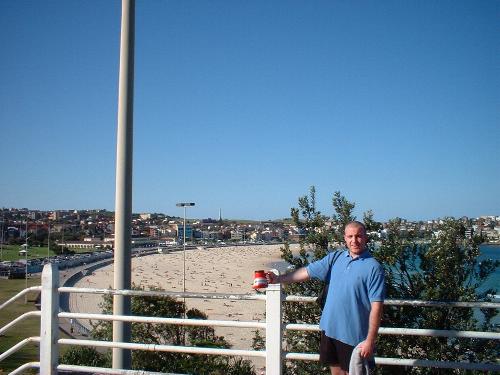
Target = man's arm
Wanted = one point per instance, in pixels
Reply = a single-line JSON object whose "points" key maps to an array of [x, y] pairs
{"points": [[292, 277], [366, 347]]}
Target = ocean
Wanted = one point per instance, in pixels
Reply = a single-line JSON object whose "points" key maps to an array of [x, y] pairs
{"points": [[491, 252]]}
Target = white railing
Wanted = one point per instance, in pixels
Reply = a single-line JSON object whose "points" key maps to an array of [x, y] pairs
{"points": [[274, 327]]}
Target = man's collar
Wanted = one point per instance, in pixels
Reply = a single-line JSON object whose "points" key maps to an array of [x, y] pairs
{"points": [[365, 254]]}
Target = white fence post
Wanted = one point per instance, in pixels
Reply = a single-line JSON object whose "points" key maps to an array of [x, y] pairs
{"points": [[274, 329], [49, 322]]}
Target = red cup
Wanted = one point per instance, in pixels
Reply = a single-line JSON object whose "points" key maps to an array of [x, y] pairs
{"points": [[259, 280]]}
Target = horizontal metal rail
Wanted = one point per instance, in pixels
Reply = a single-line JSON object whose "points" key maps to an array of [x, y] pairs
{"points": [[302, 327], [24, 367], [175, 321], [18, 346], [410, 332], [293, 298], [20, 294], [103, 370], [301, 356], [408, 362], [439, 333], [437, 364], [150, 293], [163, 348], [262, 297], [420, 303], [413, 303], [20, 318]]}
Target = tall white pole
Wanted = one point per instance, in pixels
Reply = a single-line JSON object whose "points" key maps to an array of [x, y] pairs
{"points": [[184, 205], [184, 252], [49, 335], [123, 194]]}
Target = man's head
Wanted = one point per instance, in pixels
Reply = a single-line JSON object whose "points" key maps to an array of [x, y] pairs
{"points": [[355, 237]]}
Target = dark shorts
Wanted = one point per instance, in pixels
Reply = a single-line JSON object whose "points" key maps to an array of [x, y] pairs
{"points": [[334, 353]]}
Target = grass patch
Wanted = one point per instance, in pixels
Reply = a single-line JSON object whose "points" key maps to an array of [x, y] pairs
{"points": [[24, 329], [11, 252]]}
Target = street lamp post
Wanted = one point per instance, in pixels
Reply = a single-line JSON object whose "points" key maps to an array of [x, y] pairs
{"points": [[184, 205]]}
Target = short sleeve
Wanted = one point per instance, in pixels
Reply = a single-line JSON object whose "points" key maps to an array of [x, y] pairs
{"points": [[319, 269], [376, 288]]}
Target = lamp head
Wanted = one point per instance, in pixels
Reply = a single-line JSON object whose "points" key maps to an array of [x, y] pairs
{"points": [[185, 204]]}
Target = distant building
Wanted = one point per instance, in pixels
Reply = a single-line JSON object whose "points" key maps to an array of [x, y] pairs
{"points": [[208, 221], [211, 235], [87, 243], [180, 232], [236, 235], [154, 231]]}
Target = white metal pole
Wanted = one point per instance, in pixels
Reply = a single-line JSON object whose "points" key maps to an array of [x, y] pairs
{"points": [[49, 322], [274, 329], [123, 194], [184, 205], [184, 253]]}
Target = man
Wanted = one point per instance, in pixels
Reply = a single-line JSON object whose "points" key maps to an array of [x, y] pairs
{"points": [[354, 302]]}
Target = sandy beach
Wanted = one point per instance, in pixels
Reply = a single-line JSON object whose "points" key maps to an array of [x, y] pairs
{"points": [[214, 270]]}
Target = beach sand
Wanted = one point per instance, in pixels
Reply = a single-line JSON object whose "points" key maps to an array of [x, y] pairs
{"points": [[214, 270]]}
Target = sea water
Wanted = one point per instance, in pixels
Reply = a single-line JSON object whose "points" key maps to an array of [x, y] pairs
{"points": [[491, 252]]}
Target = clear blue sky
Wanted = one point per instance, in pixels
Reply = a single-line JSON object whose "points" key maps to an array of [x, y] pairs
{"points": [[242, 105]]}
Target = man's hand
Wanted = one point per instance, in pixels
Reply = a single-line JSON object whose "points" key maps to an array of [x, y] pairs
{"points": [[366, 348], [272, 278]]}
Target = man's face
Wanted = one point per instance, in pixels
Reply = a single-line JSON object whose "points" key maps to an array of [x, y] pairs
{"points": [[355, 239]]}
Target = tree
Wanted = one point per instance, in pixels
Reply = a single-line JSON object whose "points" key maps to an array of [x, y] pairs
{"points": [[370, 223], [445, 269], [313, 246], [166, 334], [342, 216]]}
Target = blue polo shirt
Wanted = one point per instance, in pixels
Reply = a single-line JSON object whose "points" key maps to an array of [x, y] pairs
{"points": [[354, 285]]}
